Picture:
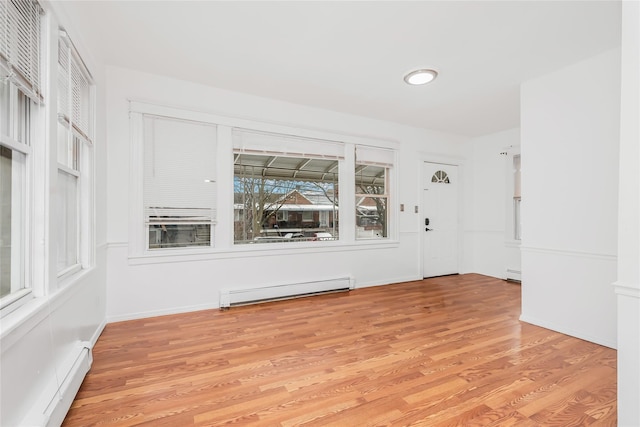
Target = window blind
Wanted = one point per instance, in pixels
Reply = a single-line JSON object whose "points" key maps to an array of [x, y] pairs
{"points": [[74, 89], [255, 142], [179, 171], [20, 39], [366, 155]]}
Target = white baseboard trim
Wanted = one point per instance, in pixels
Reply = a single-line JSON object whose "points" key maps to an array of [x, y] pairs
{"points": [[163, 312], [396, 280], [96, 334], [568, 331], [513, 274]]}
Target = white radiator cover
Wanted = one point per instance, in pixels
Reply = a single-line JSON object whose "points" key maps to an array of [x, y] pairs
{"points": [[255, 294]]}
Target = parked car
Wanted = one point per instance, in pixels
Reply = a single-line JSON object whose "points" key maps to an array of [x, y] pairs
{"points": [[322, 236]]}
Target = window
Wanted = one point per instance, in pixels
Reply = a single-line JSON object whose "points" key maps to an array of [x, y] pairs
{"points": [[440, 177], [74, 151], [20, 101], [517, 198], [372, 192], [179, 183], [285, 188]]}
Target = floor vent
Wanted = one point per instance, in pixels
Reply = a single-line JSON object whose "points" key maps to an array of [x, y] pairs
{"points": [[253, 295]]}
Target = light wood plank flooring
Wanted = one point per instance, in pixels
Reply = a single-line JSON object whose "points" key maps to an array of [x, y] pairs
{"points": [[447, 351]]}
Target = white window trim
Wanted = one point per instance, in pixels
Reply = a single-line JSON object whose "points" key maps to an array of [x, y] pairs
{"points": [[224, 248], [509, 237], [85, 171], [34, 184]]}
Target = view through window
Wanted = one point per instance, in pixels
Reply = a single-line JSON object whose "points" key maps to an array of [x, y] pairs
{"points": [[372, 192], [285, 198]]}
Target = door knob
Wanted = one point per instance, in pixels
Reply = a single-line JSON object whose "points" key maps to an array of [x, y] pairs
{"points": [[428, 229]]}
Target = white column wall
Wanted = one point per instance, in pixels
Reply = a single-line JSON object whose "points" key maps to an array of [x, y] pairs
{"points": [[147, 289], [570, 142], [628, 284]]}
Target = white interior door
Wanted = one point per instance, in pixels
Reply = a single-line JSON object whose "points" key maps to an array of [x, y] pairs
{"points": [[440, 211]]}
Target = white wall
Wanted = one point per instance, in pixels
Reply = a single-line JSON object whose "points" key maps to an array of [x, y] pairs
{"points": [[628, 284], [569, 142], [489, 245], [137, 288], [41, 342]]}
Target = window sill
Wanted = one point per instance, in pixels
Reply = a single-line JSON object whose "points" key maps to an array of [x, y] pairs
{"points": [[258, 250], [14, 301], [23, 318]]}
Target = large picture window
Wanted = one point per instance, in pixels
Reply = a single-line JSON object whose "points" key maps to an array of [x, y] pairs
{"points": [[285, 188], [179, 183], [372, 192]]}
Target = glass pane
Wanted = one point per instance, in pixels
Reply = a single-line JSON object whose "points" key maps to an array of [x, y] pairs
{"points": [[5, 88], [25, 106], [179, 182], [371, 202], [179, 235], [370, 179], [67, 217], [517, 180], [68, 146], [12, 166], [371, 217], [280, 199], [517, 221]]}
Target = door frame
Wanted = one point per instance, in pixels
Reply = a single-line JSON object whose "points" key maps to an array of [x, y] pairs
{"points": [[450, 161]]}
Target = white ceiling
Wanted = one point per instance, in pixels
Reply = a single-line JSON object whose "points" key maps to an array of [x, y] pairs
{"points": [[351, 56]]}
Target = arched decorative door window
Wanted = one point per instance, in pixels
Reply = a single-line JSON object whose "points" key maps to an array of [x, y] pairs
{"points": [[441, 177]]}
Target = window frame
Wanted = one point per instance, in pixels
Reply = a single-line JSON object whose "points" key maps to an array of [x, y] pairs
{"points": [[517, 197], [22, 62], [22, 132], [224, 241], [511, 199], [299, 173], [380, 158], [177, 217], [78, 122]]}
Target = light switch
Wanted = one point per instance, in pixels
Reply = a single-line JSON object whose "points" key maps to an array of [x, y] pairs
{"points": [[416, 209], [401, 207]]}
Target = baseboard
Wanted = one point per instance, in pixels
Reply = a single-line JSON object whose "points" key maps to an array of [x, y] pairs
{"points": [[395, 280], [568, 331], [163, 312], [513, 274]]}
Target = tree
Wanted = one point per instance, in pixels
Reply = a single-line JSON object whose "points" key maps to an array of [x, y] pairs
{"points": [[261, 198], [378, 195]]}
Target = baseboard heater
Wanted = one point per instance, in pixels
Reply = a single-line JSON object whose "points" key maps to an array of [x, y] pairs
{"points": [[257, 294]]}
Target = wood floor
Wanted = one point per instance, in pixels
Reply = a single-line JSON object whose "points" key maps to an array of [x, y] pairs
{"points": [[447, 351]]}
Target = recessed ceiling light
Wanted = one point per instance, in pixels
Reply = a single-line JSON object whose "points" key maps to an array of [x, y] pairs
{"points": [[420, 77]]}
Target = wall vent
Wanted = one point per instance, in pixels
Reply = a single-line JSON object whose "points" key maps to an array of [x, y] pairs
{"points": [[253, 295]]}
